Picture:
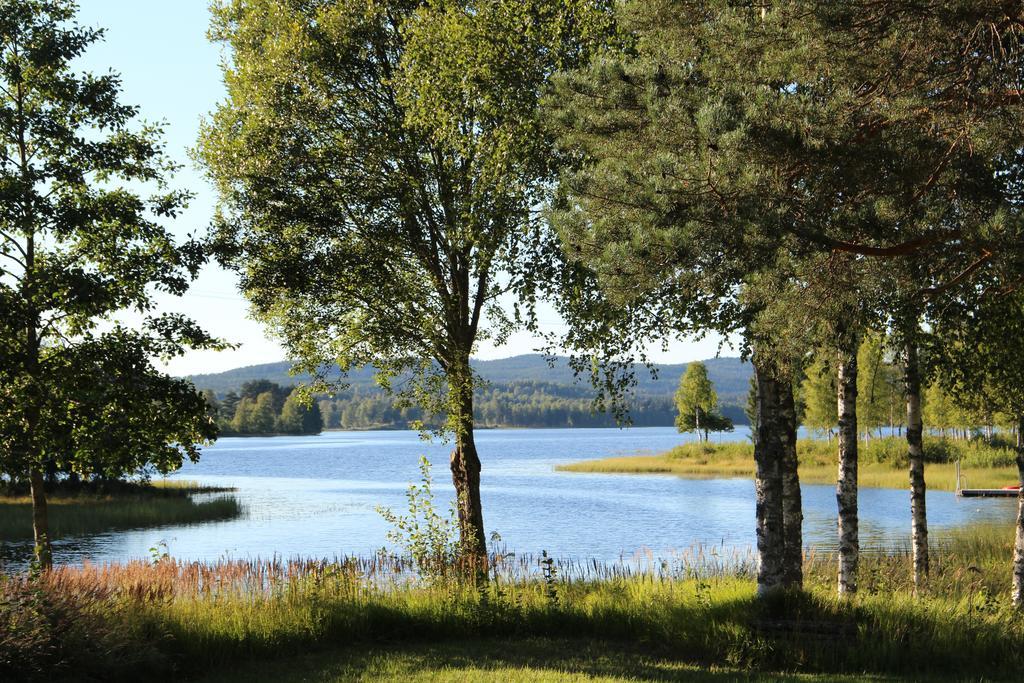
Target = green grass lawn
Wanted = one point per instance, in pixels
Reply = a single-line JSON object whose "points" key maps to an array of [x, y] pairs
{"points": [[539, 660]]}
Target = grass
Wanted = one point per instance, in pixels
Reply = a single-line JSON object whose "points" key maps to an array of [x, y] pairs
{"points": [[368, 619], [85, 509], [540, 660], [882, 463]]}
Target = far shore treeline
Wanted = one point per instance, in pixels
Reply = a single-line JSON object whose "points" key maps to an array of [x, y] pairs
{"points": [[522, 391]]}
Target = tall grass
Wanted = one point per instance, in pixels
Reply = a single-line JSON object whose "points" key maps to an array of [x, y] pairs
{"points": [[883, 463], [76, 510], [204, 617]]}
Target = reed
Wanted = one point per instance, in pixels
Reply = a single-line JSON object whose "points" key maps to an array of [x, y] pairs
{"points": [[77, 510]]}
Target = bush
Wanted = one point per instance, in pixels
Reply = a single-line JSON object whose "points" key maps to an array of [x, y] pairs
{"points": [[49, 634]]}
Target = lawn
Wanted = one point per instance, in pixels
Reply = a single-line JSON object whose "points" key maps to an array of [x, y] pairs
{"points": [[540, 660]]}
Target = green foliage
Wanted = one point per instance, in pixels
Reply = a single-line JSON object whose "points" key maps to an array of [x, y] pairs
{"points": [[697, 403], [976, 364], [83, 199], [722, 184], [819, 389], [267, 408], [353, 142], [299, 415], [880, 400], [430, 539]]}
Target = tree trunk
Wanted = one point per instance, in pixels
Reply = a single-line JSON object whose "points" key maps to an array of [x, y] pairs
{"points": [[465, 466], [1018, 546], [792, 506], [40, 522], [769, 453], [846, 485], [915, 454]]}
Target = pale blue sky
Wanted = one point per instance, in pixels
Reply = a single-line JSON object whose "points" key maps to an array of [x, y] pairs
{"points": [[172, 73]]}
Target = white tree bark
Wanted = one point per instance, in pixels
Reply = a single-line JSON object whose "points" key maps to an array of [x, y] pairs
{"points": [[846, 484], [768, 489], [1018, 545], [792, 505], [915, 454]]}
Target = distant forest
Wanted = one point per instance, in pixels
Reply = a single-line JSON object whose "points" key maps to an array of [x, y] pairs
{"points": [[523, 391], [263, 407]]}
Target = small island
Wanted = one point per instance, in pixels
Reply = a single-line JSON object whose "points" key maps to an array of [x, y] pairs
{"points": [[883, 463]]}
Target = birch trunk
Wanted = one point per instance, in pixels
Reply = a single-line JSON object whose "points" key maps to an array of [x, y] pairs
{"points": [[768, 457], [792, 506], [1018, 546], [846, 484], [915, 454]]}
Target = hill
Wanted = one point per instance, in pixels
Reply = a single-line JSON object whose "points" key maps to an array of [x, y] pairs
{"points": [[730, 375], [522, 391]]}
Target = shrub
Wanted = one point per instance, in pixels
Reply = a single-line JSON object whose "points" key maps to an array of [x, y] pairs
{"points": [[48, 634]]}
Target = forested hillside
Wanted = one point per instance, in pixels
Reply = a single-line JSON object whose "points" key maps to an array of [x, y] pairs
{"points": [[522, 391]]}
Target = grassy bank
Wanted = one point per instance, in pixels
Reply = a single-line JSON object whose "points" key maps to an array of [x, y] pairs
{"points": [[84, 509], [882, 463], [367, 619]]}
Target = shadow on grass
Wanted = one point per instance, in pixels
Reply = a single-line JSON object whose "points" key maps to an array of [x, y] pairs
{"points": [[528, 659]]}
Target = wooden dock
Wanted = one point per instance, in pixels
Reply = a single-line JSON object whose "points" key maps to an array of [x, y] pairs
{"points": [[981, 493], [987, 493]]}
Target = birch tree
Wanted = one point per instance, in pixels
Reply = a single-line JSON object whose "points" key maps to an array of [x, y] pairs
{"points": [[379, 166], [711, 150], [697, 403]]}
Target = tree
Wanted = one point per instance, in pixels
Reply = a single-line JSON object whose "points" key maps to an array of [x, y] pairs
{"points": [[969, 348], [697, 403], [78, 244], [378, 166], [278, 394], [213, 406], [939, 410], [228, 407], [819, 388], [877, 384], [712, 150], [299, 415]]}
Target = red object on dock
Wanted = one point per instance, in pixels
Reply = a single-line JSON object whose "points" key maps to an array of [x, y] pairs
{"points": [[1014, 487]]}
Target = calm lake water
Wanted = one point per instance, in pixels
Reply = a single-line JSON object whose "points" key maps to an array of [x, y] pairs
{"points": [[315, 496]]}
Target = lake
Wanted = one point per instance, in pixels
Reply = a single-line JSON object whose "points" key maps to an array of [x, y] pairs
{"points": [[315, 496]]}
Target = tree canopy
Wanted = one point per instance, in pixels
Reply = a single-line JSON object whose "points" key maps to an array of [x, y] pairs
{"points": [[697, 403], [79, 244]]}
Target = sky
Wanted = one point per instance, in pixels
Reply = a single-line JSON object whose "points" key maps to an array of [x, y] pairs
{"points": [[172, 73]]}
